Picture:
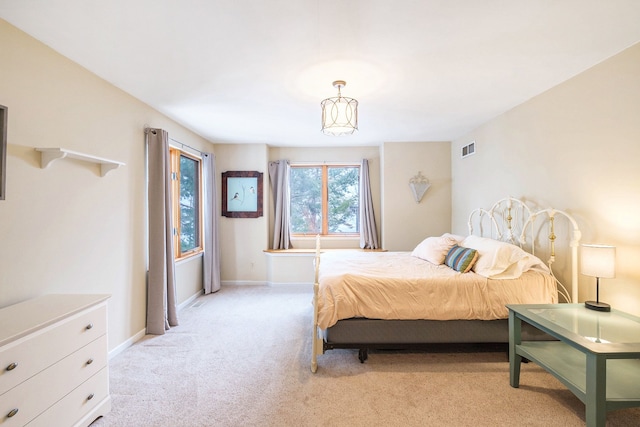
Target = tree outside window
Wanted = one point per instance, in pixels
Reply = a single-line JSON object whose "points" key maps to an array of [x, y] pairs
{"points": [[186, 179], [325, 199]]}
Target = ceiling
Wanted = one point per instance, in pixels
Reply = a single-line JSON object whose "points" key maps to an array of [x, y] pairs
{"points": [[241, 71]]}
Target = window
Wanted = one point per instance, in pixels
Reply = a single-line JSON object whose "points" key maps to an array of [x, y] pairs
{"points": [[186, 191], [325, 199]]}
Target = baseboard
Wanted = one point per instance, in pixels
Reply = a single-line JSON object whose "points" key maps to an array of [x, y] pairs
{"points": [[290, 284], [128, 343], [242, 283], [189, 300], [141, 334], [267, 283]]}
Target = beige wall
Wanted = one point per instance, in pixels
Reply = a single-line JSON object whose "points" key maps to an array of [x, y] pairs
{"points": [[66, 229], [406, 223], [243, 240], [575, 147]]}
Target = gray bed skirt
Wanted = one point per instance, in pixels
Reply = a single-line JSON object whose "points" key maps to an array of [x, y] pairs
{"points": [[372, 333]]}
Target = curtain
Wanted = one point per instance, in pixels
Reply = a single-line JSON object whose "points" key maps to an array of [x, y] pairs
{"points": [[211, 258], [161, 289], [368, 231], [279, 176]]}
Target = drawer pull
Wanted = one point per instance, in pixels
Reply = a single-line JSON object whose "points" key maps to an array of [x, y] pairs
{"points": [[89, 362], [12, 366], [90, 396], [12, 412], [89, 326]]}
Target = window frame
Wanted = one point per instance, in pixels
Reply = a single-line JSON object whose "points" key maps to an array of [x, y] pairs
{"points": [[175, 154], [325, 198]]}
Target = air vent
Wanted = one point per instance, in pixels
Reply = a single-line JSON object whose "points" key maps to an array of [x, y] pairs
{"points": [[469, 149]]}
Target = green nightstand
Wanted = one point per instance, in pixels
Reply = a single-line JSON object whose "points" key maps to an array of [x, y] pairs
{"points": [[597, 355]]}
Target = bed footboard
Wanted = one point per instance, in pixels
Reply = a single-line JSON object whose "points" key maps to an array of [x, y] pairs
{"points": [[317, 342]]}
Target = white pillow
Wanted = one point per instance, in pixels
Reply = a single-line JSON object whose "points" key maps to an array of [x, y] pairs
{"points": [[434, 249], [456, 237], [501, 260]]}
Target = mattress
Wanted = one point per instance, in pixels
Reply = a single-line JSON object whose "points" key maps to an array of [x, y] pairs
{"points": [[398, 286]]}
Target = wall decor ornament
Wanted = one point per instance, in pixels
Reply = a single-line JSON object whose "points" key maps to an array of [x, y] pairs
{"points": [[242, 194], [419, 185]]}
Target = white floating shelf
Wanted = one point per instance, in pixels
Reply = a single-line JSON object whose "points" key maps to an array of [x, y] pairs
{"points": [[48, 155]]}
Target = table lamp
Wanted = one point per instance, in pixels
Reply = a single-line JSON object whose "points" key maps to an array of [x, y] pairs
{"points": [[598, 261]]}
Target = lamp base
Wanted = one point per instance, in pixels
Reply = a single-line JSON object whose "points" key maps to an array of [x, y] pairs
{"points": [[597, 305]]}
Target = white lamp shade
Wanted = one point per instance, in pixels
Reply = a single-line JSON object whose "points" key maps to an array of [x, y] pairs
{"points": [[339, 116], [598, 261]]}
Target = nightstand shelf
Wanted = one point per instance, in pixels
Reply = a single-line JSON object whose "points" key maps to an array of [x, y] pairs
{"points": [[569, 366]]}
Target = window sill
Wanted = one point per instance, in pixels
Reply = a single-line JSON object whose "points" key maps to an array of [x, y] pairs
{"points": [[313, 251], [189, 258], [326, 236]]}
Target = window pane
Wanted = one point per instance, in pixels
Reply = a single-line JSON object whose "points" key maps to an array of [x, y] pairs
{"points": [[344, 186], [306, 200], [189, 208]]}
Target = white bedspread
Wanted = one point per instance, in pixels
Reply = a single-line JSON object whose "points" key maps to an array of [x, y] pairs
{"points": [[396, 285]]}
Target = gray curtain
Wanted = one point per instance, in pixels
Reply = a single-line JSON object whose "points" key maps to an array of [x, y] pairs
{"points": [[368, 230], [211, 258], [279, 176], [161, 289]]}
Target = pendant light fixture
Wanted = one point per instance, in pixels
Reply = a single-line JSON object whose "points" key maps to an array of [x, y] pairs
{"points": [[339, 114]]}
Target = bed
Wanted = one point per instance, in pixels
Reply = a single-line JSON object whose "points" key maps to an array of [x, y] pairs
{"points": [[449, 290]]}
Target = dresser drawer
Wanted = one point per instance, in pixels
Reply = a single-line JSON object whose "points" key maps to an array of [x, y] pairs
{"points": [[41, 391], [45, 347], [92, 395]]}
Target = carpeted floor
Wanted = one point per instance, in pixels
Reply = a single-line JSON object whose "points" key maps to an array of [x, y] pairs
{"points": [[241, 357]]}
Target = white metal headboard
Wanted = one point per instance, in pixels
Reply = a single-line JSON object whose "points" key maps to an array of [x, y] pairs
{"points": [[511, 220]]}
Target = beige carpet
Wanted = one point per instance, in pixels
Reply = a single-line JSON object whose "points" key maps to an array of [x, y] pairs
{"points": [[240, 357]]}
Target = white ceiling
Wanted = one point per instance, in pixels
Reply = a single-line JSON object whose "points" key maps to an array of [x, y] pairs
{"points": [[242, 71]]}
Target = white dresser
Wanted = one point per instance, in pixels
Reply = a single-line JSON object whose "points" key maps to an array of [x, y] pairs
{"points": [[53, 361]]}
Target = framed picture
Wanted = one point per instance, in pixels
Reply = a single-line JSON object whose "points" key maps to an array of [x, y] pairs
{"points": [[3, 151], [242, 194]]}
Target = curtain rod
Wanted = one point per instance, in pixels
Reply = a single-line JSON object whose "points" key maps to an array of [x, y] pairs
{"points": [[325, 162], [148, 129], [188, 146]]}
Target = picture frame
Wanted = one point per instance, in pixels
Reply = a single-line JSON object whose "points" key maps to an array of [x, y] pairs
{"points": [[242, 194], [4, 114]]}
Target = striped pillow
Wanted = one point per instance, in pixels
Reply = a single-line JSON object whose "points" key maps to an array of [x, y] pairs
{"points": [[461, 259]]}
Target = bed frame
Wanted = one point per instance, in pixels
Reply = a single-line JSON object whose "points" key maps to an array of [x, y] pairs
{"points": [[510, 220]]}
